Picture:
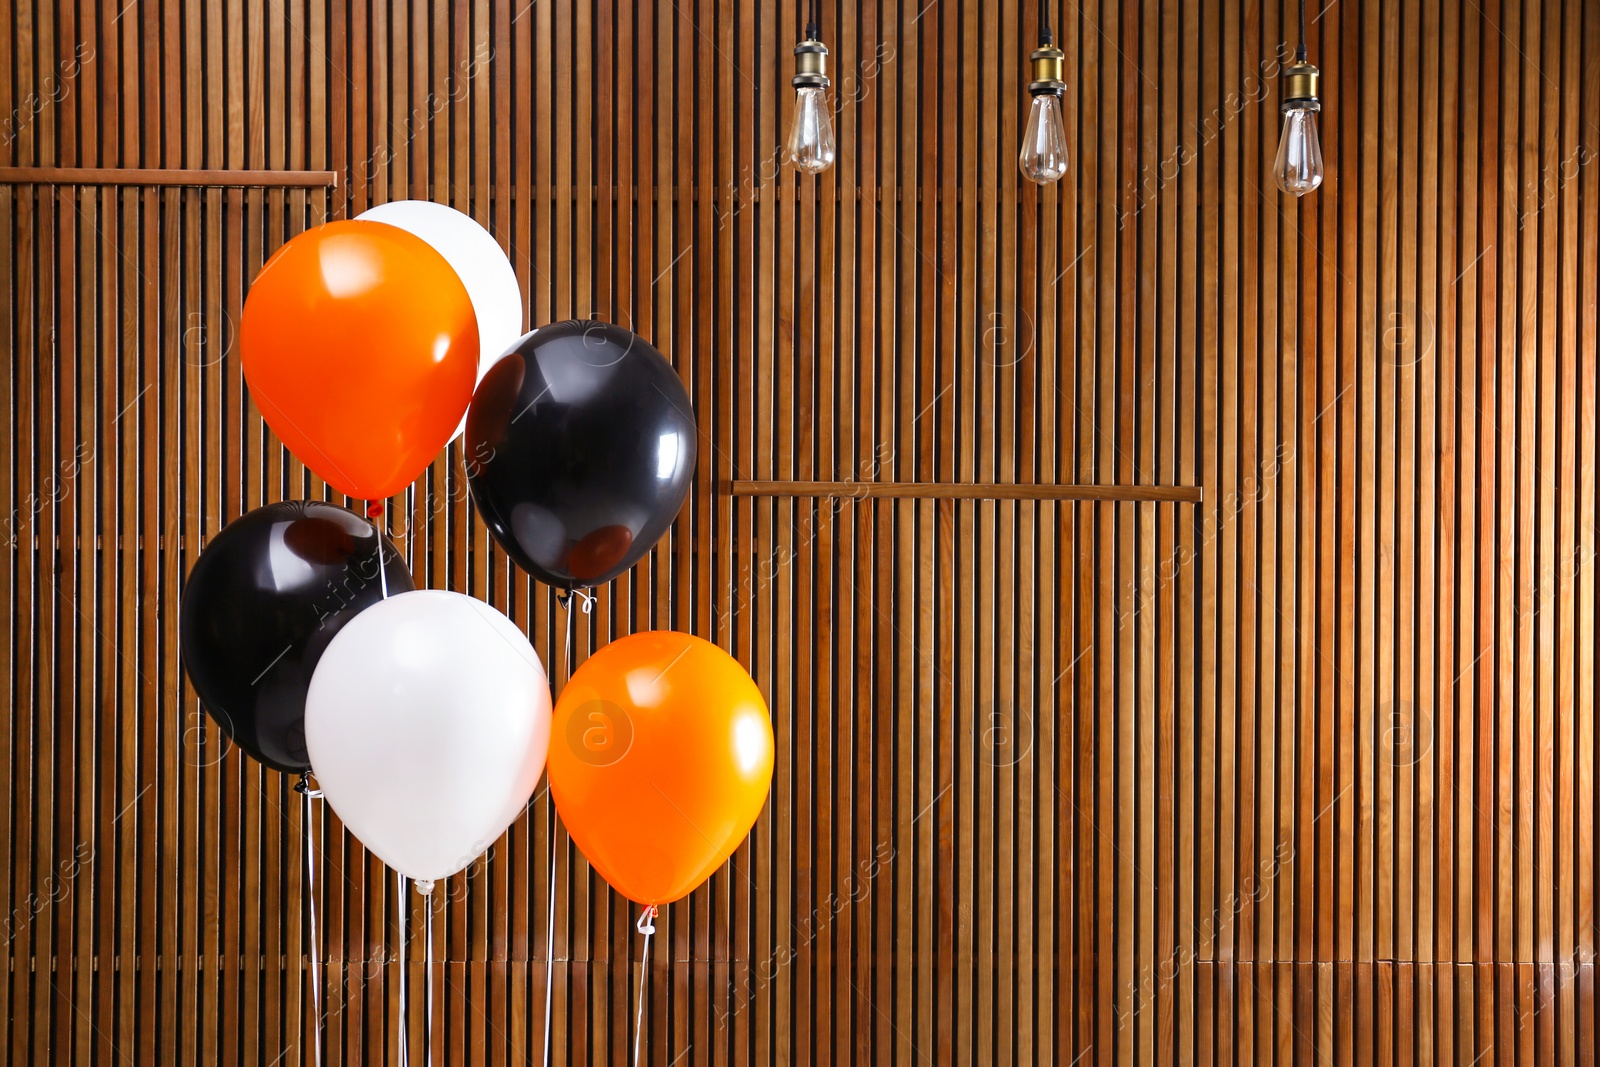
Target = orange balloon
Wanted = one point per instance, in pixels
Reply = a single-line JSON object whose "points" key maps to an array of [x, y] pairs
{"points": [[660, 760], [361, 349]]}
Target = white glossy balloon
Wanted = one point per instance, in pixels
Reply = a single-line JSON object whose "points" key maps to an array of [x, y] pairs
{"points": [[479, 261], [427, 722]]}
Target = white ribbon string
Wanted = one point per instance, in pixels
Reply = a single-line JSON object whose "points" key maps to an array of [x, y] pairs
{"points": [[647, 927], [305, 790], [400, 1024], [383, 573], [565, 600], [427, 984], [550, 950], [411, 530]]}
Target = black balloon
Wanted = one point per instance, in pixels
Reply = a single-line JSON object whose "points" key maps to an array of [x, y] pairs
{"points": [[260, 605], [580, 450]]}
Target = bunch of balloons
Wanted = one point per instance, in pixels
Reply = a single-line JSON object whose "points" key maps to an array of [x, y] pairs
{"points": [[426, 715]]}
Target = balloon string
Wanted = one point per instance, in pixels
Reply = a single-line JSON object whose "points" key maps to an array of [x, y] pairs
{"points": [[648, 928], [305, 790], [411, 529], [572, 656], [374, 512], [400, 1024], [550, 950], [427, 1022], [565, 600]]}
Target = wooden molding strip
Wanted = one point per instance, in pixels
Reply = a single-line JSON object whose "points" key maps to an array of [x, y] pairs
{"points": [[299, 179], [1184, 494]]}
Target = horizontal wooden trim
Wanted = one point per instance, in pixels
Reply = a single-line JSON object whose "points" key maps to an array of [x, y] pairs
{"points": [[718, 198], [1184, 494], [300, 179]]}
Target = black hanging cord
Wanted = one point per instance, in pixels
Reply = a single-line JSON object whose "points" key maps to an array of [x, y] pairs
{"points": [[814, 20], [1300, 53], [1046, 35]]}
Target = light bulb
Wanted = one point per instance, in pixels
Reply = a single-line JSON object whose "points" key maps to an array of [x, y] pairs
{"points": [[1299, 164], [1044, 146], [811, 135]]}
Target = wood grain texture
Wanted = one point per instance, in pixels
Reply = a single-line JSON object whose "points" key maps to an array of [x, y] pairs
{"points": [[1270, 740]]}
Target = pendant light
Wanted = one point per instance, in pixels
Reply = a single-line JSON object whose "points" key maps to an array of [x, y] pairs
{"points": [[1298, 168], [811, 134], [1044, 145]]}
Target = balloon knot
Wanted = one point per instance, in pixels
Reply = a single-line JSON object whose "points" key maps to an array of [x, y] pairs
{"points": [[304, 787], [374, 509], [424, 886], [646, 925]]}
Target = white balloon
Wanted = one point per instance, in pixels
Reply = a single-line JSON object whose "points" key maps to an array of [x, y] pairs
{"points": [[427, 721], [479, 261]]}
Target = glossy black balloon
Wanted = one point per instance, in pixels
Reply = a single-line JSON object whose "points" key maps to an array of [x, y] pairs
{"points": [[580, 450], [260, 605]]}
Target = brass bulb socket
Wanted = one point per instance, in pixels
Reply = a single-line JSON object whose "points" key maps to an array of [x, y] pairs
{"points": [[810, 65], [1301, 81], [1047, 66]]}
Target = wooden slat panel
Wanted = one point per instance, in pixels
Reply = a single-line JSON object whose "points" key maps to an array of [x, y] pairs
{"points": [[1176, 602]]}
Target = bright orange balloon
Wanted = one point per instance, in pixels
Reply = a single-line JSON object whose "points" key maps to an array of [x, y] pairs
{"points": [[660, 760], [361, 349]]}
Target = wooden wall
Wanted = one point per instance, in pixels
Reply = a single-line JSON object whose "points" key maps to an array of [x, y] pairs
{"points": [[1301, 773]]}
